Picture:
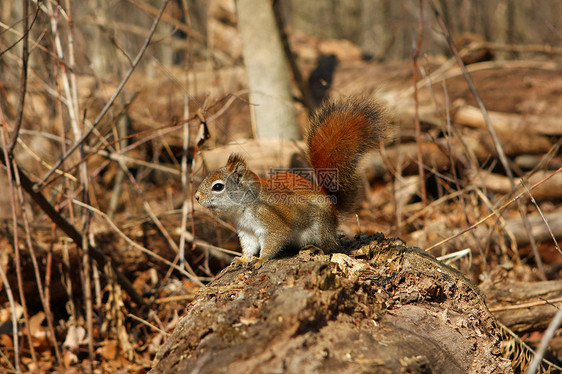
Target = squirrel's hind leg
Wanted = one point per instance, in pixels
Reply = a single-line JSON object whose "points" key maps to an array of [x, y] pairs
{"points": [[273, 244]]}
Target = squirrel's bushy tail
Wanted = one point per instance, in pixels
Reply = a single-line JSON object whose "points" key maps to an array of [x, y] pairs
{"points": [[340, 134]]}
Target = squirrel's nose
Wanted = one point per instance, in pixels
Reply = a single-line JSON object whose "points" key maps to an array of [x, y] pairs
{"points": [[197, 195]]}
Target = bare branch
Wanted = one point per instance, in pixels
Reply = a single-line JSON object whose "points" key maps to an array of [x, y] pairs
{"points": [[23, 79], [416, 52], [492, 131], [499, 210], [548, 335], [38, 185], [71, 231]]}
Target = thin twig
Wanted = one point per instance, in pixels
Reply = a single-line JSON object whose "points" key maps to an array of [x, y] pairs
{"points": [[525, 345], [148, 324], [521, 48], [71, 307], [175, 299], [72, 106], [15, 335], [185, 145], [134, 244], [21, 35], [120, 133], [547, 337], [415, 56], [184, 184], [455, 255], [156, 133], [87, 289], [456, 178], [72, 62], [499, 210], [203, 244], [71, 231], [23, 79], [495, 139], [152, 11], [41, 161], [543, 217], [195, 121], [449, 70], [17, 251], [501, 220], [155, 219], [108, 105], [526, 305], [414, 217], [44, 299]]}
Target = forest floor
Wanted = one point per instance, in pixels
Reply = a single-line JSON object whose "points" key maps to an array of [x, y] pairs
{"points": [[469, 212]]}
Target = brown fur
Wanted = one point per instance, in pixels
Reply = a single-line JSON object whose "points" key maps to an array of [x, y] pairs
{"points": [[340, 134], [287, 211]]}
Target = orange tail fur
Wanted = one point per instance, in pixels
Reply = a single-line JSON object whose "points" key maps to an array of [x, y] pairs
{"points": [[340, 134]]}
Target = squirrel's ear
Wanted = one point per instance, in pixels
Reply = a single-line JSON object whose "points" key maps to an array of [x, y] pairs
{"points": [[236, 164]]}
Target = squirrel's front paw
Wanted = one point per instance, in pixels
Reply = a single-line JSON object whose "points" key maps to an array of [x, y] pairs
{"points": [[258, 261], [242, 260]]}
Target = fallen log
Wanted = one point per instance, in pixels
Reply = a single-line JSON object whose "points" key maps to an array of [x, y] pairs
{"points": [[549, 190], [516, 133], [379, 307], [524, 306], [436, 154], [532, 125], [539, 228]]}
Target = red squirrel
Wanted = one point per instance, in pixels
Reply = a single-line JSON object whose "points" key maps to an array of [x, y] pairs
{"points": [[288, 211]]}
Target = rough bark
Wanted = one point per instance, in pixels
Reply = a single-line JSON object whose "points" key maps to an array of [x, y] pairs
{"points": [[376, 307]]}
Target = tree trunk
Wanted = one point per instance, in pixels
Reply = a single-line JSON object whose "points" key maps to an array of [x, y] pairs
{"points": [[378, 307], [268, 76]]}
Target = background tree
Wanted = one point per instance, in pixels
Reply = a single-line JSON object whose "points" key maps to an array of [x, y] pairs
{"points": [[268, 75]]}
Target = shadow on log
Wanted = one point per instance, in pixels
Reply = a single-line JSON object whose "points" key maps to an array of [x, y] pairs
{"points": [[378, 306]]}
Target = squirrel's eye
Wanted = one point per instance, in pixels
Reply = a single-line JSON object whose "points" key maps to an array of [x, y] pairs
{"points": [[219, 186]]}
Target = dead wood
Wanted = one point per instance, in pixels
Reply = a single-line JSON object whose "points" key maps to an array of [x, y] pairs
{"points": [[549, 190], [436, 154], [65, 226], [532, 125], [406, 156], [381, 307], [524, 306], [516, 133], [125, 259], [539, 229]]}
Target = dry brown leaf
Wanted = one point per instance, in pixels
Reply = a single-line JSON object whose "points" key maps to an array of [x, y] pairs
{"points": [[109, 349], [6, 342]]}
